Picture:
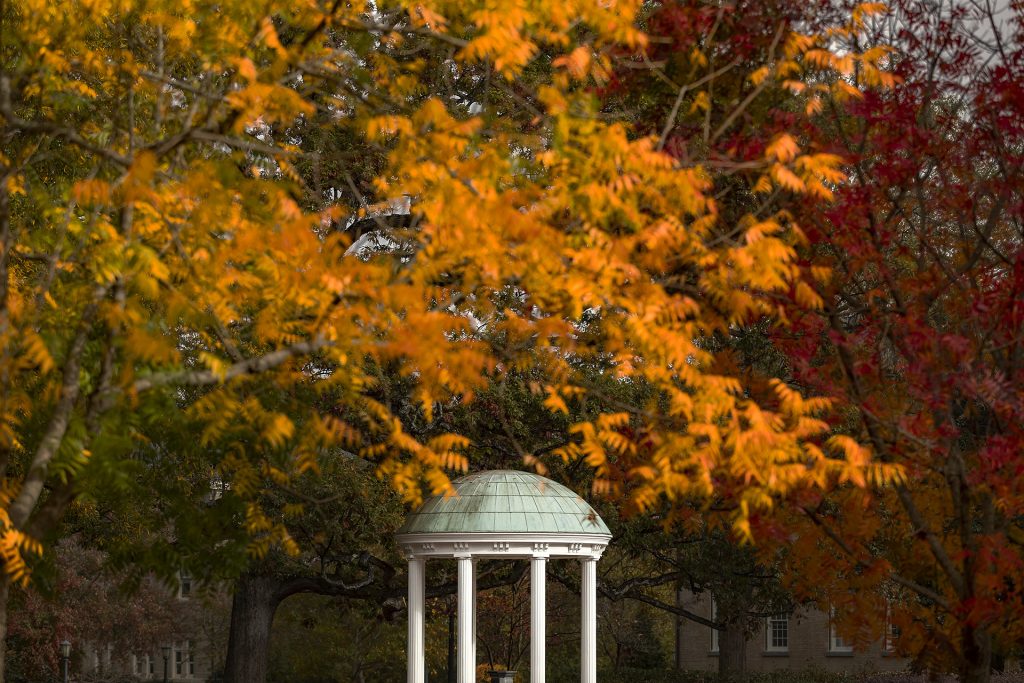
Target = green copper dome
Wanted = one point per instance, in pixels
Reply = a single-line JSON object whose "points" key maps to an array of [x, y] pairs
{"points": [[506, 501]]}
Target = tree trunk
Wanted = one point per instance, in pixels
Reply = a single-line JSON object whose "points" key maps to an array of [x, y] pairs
{"points": [[976, 658], [252, 615], [678, 622], [5, 592], [732, 652], [452, 673]]}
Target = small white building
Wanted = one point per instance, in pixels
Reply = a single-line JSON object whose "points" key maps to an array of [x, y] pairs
{"points": [[503, 514]]}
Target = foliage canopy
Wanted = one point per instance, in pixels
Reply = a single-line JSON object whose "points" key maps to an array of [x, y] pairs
{"points": [[171, 233]]}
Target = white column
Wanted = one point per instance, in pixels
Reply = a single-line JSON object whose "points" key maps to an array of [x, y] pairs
{"points": [[588, 646], [467, 667], [474, 618], [417, 567], [538, 618]]}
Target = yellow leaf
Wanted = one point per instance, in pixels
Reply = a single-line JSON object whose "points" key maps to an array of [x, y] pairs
{"points": [[786, 178], [554, 402], [783, 148], [577, 62], [759, 75]]}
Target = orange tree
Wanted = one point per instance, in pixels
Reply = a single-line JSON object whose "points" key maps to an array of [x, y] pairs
{"points": [[167, 238]]}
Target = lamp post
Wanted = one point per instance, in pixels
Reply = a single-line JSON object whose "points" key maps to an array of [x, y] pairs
{"points": [[167, 655], [65, 656]]}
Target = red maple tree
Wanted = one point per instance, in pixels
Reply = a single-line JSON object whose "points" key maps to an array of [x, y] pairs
{"points": [[921, 341], [912, 305]]}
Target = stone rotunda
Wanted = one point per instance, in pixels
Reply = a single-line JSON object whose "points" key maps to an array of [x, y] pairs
{"points": [[503, 514]]}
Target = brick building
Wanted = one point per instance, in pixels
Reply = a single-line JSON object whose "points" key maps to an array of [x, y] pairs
{"points": [[195, 655], [802, 640]]}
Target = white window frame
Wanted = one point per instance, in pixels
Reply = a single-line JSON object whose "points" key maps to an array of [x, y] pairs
{"points": [[769, 633], [892, 632], [714, 631], [836, 643], [142, 666], [184, 664]]}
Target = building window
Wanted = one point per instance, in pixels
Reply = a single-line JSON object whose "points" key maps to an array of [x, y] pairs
{"points": [[892, 632], [184, 585], [184, 660], [836, 643], [101, 660], [777, 633], [714, 631], [142, 666]]}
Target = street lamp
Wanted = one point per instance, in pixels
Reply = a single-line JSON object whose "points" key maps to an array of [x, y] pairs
{"points": [[167, 655], [65, 656]]}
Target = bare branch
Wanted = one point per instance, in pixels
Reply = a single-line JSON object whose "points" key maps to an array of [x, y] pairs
{"points": [[252, 366]]}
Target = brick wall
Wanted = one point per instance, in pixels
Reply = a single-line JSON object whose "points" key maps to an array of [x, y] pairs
{"points": [[808, 645]]}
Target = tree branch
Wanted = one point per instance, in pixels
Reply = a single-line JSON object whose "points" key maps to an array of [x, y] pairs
{"points": [[252, 366], [32, 487]]}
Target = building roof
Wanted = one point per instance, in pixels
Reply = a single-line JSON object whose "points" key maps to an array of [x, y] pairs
{"points": [[506, 501]]}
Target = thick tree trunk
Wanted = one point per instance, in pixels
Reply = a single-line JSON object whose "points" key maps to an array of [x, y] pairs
{"points": [[252, 615], [732, 652], [976, 660]]}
